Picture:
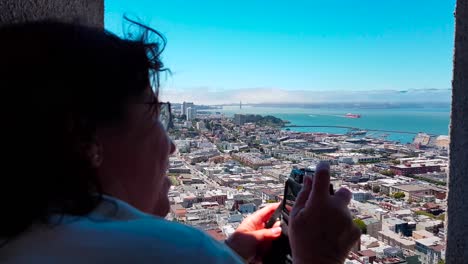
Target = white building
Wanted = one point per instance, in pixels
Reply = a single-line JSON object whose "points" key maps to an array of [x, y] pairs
{"points": [[191, 113]]}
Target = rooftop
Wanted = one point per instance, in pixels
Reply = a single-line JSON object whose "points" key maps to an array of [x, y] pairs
{"points": [[423, 233], [412, 187], [430, 241], [397, 238], [370, 220], [367, 253]]}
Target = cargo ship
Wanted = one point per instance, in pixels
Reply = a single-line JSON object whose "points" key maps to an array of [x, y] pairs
{"points": [[349, 115]]}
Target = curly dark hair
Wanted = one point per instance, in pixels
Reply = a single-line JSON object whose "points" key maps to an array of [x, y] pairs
{"points": [[59, 83]]}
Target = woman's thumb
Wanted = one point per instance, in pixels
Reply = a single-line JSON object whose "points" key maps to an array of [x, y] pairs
{"points": [[270, 233]]}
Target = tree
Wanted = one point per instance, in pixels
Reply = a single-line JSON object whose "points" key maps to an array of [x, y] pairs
{"points": [[441, 261], [387, 172], [361, 225], [425, 213], [440, 217], [376, 189], [174, 180], [398, 195]]}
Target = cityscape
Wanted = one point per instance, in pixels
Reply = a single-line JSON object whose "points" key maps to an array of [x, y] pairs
{"points": [[226, 168]]}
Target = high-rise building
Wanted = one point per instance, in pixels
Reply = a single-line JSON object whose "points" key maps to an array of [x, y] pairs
{"points": [[191, 113], [188, 114], [239, 119], [186, 105]]}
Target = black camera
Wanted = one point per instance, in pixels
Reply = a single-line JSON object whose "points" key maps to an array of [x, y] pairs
{"points": [[280, 251]]}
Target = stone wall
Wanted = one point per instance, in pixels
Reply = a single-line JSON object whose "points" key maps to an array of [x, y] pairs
{"points": [[457, 215]]}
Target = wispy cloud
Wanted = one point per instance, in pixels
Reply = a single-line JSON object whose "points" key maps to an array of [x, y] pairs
{"points": [[205, 95]]}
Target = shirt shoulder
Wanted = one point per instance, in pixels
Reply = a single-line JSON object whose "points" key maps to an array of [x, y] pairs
{"points": [[118, 233]]}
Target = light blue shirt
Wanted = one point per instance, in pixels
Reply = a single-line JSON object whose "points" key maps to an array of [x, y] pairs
{"points": [[116, 233]]}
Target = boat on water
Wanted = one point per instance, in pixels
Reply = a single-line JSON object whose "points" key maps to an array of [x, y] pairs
{"points": [[359, 132], [350, 115]]}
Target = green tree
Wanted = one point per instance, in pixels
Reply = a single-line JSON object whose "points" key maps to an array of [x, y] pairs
{"points": [[441, 261], [387, 172], [398, 195], [376, 189], [174, 180], [361, 225], [440, 217], [425, 213]]}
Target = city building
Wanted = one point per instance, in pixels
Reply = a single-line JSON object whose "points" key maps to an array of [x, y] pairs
{"points": [[422, 139], [247, 208], [395, 240], [239, 119], [184, 107], [408, 169], [399, 226], [361, 196], [429, 250], [191, 113], [418, 190], [373, 226], [214, 196], [443, 142]]}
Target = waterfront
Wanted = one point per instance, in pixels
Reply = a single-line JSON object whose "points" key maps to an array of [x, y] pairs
{"points": [[428, 120]]}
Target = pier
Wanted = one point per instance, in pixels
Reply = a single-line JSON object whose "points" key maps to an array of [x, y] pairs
{"points": [[366, 129]]}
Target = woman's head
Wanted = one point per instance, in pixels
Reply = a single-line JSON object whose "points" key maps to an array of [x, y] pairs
{"points": [[79, 119]]}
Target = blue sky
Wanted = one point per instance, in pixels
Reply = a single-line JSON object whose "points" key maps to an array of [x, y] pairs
{"points": [[328, 45]]}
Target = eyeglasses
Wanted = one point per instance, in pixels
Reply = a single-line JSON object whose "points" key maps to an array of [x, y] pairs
{"points": [[165, 115]]}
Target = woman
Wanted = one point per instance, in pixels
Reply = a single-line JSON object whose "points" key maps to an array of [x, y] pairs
{"points": [[85, 156]]}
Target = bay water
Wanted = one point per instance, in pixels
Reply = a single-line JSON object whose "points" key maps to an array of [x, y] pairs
{"points": [[428, 120]]}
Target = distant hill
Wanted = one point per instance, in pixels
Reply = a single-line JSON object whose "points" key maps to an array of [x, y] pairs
{"points": [[264, 120]]}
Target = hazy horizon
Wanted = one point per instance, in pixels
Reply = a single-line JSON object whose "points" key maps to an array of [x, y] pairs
{"points": [[204, 96]]}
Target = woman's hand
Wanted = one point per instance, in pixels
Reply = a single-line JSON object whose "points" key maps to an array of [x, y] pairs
{"points": [[321, 229], [251, 239]]}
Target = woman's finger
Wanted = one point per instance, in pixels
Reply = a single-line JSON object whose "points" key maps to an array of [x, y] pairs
{"points": [[321, 184], [344, 195], [302, 197], [261, 216]]}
